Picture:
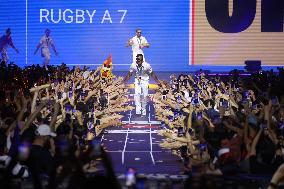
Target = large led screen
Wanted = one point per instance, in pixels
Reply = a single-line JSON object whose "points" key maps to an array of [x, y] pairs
{"points": [[86, 32], [180, 33]]}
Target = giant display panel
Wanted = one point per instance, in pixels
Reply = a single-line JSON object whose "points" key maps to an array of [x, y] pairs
{"points": [[180, 33], [86, 32], [229, 32]]}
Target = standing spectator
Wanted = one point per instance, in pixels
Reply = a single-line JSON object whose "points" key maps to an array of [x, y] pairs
{"points": [[41, 159]]}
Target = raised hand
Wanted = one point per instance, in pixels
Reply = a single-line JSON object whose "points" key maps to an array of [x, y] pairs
{"points": [[129, 43], [277, 177]]}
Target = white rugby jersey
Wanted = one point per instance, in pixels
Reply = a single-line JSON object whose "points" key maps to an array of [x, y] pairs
{"points": [[136, 42], [142, 72], [46, 41]]}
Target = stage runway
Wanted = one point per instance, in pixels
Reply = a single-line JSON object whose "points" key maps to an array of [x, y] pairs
{"points": [[136, 144]]}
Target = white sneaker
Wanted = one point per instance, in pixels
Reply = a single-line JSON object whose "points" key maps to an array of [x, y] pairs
{"points": [[144, 112]]}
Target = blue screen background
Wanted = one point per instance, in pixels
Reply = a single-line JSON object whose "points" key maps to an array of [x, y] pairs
{"points": [[165, 24]]}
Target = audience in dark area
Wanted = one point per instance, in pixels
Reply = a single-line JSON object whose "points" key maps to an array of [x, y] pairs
{"points": [[220, 126], [50, 125], [224, 125]]}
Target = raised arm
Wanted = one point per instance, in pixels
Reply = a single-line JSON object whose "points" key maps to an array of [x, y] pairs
{"points": [[127, 77], [145, 44], [153, 75], [37, 47], [12, 45], [277, 177], [129, 43], [33, 115], [54, 116], [254, 143]]}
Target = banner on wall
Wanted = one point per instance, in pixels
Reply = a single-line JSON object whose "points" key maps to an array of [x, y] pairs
{"points": [[228, 32]]}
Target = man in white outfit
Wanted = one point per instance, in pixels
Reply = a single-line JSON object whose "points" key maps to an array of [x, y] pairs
{"points": [[138, 43], [46, 42], [142, 71]]}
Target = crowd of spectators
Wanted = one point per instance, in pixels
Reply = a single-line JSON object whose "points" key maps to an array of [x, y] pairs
{"points": [[50, 120], [225, 125]]}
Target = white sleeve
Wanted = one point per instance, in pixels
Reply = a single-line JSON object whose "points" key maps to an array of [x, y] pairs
{"points": [[41, 41], [132, 68], [145, 41], [133, 40], [51, 41], [150, 70]]}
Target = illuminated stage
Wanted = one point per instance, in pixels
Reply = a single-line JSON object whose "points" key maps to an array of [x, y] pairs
{"points": [[136, 144]]}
